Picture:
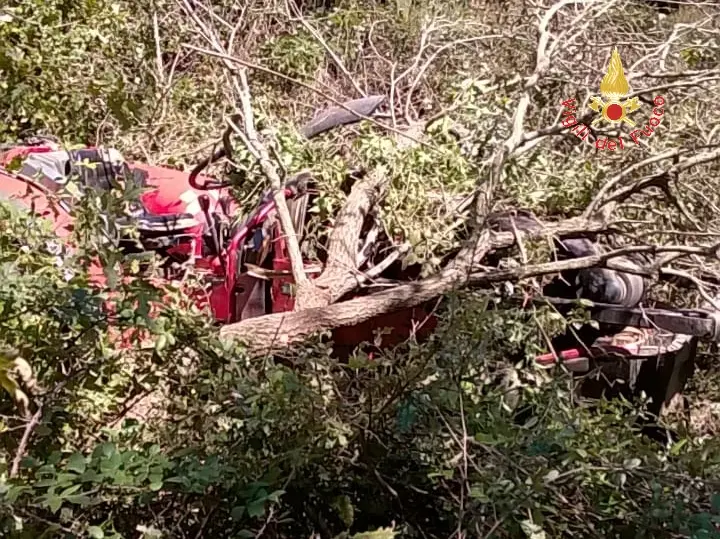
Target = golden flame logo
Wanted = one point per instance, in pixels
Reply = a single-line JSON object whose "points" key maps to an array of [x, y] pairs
{"points": [[613, 87]]}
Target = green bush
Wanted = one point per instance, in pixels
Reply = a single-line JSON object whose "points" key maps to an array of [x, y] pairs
{"points": [[182, 435], [66, 66]]}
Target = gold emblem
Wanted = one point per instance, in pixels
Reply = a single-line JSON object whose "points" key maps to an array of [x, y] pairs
{"points": [[614, 87]]}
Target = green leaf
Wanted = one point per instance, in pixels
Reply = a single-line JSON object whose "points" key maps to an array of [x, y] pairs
{"points": [[343, 505], [275, 495], [486, 439], [532, 530], [161, 342], [96, 532], [256, 509], [677, 448], [14, 492], [406, 417], [716, 503], [79, 499], [69, 491], [90, 476], [381, 533], [477, 493], [76, 463], [156, 482], [64, 479], [45, 482], [237, 512], [54, 503]]}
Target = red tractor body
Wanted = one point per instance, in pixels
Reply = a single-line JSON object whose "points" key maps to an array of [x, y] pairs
{"points": [[245, 266]]}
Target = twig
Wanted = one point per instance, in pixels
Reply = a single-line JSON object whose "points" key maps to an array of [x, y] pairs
{"points": [[270, 171], [341, 66], [22, 448], [519, 241], [199, 533], [340, 104], [271, 513], [516, 139], [697, 282], [431, 59]]}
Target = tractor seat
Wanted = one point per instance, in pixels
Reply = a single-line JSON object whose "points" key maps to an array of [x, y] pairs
{"points": [[163, 224], [176, 222]]}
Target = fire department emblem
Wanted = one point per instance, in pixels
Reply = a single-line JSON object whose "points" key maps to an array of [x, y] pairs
{"points": [[614, 87]]}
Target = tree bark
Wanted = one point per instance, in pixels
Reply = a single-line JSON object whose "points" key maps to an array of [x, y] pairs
{"points": [[340, 275], [279, 330]]}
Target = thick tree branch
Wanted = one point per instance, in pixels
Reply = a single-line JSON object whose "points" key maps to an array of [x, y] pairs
{"points": [[622, 193], [340, 275], [277, 331]]}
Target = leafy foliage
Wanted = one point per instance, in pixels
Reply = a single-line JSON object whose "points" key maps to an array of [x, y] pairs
{"points": [[67, 91], [180, 434]]}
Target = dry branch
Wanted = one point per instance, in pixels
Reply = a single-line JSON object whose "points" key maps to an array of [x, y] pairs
{"points": [[256, 147], [659, 178], [22, 448]]}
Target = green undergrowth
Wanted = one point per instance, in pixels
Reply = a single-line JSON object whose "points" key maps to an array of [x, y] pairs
{"points": [[180, 434]]}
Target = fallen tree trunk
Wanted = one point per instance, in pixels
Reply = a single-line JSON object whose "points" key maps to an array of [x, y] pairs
{"points": [[277, 331], [340, 275]]}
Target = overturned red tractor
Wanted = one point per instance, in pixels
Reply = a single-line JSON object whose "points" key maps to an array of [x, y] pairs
{"points": [[192, 219]]}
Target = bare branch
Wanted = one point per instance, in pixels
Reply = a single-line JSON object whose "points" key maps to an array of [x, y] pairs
{"points": [[22, 447], [697, 282], [257, 148], [612, 182], [684, 164], [291, 7]]}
